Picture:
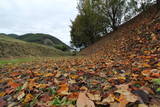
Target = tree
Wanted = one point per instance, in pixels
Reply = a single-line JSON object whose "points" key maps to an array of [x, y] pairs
{"points": [[97, 17], [117, 11], [158, 3], [88, 26], [145, 4]]}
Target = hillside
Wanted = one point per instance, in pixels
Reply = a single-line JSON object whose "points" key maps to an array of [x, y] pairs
{"points": [[111, 41], [10, 35], [120, 70], [44, 39], [10, 47]]}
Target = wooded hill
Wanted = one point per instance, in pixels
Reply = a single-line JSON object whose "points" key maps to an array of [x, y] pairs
{"points": [[11, 47]]}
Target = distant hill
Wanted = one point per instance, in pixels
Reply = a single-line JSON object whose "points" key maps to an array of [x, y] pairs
{"points": [[44, 39], [10, 35], [10, 47], [13, 35]]}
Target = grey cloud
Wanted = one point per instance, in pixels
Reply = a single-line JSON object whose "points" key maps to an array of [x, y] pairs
{"points": [[38, 16]]}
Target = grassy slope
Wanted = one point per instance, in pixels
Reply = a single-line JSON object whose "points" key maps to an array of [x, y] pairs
{"points": [[44, 39], [10, 47]]}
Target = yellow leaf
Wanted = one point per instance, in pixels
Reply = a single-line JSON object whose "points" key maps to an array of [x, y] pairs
{"points": [[123, 78], [158, 64], [73, 76], [28, 98], [49, 75], [2, 94], [41, 85]]}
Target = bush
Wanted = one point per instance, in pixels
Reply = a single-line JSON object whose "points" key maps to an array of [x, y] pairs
{"points": [[61, 47]]}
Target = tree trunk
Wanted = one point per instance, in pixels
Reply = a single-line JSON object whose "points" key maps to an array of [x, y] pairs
{"points": [[158, 4]]}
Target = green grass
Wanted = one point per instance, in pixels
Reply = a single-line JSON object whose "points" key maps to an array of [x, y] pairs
{"points": [[18, 61], [10, 47], [15, 61]]}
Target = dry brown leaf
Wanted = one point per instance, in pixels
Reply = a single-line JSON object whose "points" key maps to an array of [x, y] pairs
{"points": [[94, 97], [58, 74], [123, 90], [84, 101], [142, 105], [109, 99], [2, 103], [115, 104]]}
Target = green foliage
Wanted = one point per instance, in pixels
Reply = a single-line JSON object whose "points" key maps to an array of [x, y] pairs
{"points": [[145, 4], [156, 81], [98, 17], [61, 47], [158, 90], [19, 88], [51, 91], [61, 102], [88, 26], [15, 61]]}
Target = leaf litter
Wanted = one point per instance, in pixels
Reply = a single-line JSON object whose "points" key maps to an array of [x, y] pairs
{"points": [[132, 78]]}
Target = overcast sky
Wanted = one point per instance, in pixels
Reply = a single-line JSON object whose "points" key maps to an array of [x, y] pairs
{"points": [[38, 16]]}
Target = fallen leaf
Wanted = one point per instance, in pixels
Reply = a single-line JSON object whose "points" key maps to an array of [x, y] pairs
{"points": [[143, 95], [2, 94], [73, 96], [94, 97], [9, 90], [58, 74], [146, 72], [49, 75], [115, 104], [146, 65], [41, 85], [2, 103], [13, 84], [63, 89], [73, 76], [123, 90], [28, 98], [109, 99], [20, 95], [25, 85], [84, 101], [142, 105]]}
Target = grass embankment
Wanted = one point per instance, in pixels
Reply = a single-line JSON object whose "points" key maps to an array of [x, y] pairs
{"points": [[10, 47]]}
